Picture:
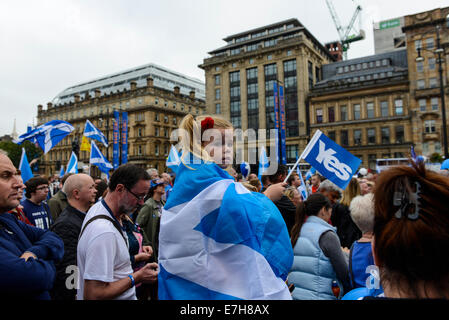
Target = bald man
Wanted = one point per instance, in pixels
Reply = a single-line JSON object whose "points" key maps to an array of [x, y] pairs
{"points": [[81, 192], [27, 253]]}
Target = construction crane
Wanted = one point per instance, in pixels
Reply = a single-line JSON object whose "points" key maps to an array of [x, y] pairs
{"points": [[344, 32]]}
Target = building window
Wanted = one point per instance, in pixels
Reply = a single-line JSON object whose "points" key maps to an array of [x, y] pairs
{"points": [[418, 44], [371, 135], [370, 110], [331, 114], [344, 137], [156, 131], [289, 53], [165, 119], [421, 84], [357, 112], [434, 104], [433, 82], [234, 76], [156, 149], [139, 101], [166, 132], [331, 135], [139, 116], [165, 103], [251, 47], [319, 115], [419, 66], [156, 101], [310, 69], [398, 107], [217, 108], [217, 94], [343, 113], [438, 147], [399, 134], [175, 120], [251, 61], [269, 57], [140, 132], [384, 108], [217, 79], [372, 161], [422, 104], [429, 126], [431, 63], [429, 43], [292, 151], [385, 135], [234, 65], [235, 51], [357, 137], [156, 117]]}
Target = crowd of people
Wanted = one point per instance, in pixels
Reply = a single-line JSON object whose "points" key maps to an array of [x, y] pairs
{"points": [[383, 236]]}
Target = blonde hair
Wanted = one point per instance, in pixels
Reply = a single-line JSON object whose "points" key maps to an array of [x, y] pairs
{"points": [[290, 193], [190, 142], [351, 191]]}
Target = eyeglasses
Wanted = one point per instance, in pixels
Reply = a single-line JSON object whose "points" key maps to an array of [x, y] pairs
{"points": [[42, 188], [139, 198]]}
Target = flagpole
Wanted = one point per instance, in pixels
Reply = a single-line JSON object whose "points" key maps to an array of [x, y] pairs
{"points": [[295, 165]]}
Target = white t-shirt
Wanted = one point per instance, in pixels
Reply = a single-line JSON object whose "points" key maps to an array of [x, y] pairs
{"points": [[102, 253]]}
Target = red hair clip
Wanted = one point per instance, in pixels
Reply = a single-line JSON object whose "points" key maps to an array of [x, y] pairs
{"points": [[207, 123]]}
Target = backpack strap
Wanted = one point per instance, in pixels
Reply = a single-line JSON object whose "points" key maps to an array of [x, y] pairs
{"points": [[103, 216], [351, 272]]}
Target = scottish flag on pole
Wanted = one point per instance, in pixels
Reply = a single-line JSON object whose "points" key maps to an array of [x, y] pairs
{"points": [[72, 166], [310, 173], [220, 241], [92, 132], [61, 172], [173, 159], [263, 163], [302, 188], [47, 135], [24, 167], [98, 159], [330, 159]]}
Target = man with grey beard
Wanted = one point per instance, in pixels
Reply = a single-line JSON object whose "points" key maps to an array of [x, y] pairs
{"points": [[105, 270]]}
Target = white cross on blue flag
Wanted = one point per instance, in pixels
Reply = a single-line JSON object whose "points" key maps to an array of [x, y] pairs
{"points": [[220, 241], [92, 132], [173, 159], [72, 166], [47, 135], [98, 159]]}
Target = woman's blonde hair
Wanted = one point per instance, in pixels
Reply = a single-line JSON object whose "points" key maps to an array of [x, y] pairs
{"points": [[191, 137], [351, 191]]}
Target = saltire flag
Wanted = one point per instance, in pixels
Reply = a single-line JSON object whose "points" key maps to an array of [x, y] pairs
{"points": [[212, 244], [72, 166], [173, 159], [263, 163], [61, 172], [98, 159], [330, 159], [47, 135], [92, 132], [413, 154], [85, 144], [310, 173], [24, 167], [302, 188]]}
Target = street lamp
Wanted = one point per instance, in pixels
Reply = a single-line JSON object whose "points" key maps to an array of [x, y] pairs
{"points": [[438, 51]]}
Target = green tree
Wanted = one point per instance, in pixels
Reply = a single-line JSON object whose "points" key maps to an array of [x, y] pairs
{"points": [[15, 151], [436, 158]]}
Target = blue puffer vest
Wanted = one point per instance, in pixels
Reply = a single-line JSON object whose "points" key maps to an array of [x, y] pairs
{"points": [[311, 272]]}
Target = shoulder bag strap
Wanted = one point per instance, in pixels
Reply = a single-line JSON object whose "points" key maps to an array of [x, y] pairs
{"points": [[102, 216]]}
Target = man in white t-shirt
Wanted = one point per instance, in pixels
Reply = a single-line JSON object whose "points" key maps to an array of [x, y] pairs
{"points": [[105, 271]]}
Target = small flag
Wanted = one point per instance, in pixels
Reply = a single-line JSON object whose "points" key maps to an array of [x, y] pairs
{"points": [[173, 159], [263, 163], [85, 144], [245, 169], [92, 132], [61, 172], [24, 167], [302, 188], [72, 166], [98, 159]]}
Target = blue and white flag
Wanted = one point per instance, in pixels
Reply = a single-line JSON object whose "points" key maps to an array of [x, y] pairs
{"points": [[263, 163], [302, 188], [173, 159], [72, 166], [61, 172], [24, 167], [92, 132], [245, 169], [218, 240], [330, 159], [310, 173], [98, 159], [47, 135]]}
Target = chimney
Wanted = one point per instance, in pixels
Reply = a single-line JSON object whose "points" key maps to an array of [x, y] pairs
{"points": [[133, 85], [87, 96], [176, 90], [77, 97], [49, 105], [149, 82], [97, 93], [39, 108], [192, 94]]}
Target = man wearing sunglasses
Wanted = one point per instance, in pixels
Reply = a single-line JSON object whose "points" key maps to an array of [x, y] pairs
{"points": [[105, 270], [35, 206]]}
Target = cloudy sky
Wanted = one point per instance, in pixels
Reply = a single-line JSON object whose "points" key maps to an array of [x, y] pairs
{"points": [[49, 45]]}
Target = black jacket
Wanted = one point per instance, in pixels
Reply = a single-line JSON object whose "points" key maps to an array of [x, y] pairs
{"points": [[288, 211], [347, 230], [68, 227]]}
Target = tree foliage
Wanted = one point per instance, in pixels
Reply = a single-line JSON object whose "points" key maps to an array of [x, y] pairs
{"points": [[436, 158], [15, 151]]}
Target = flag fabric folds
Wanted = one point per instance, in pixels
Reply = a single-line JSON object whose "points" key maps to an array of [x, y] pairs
{"points": [[263, 163], [302, 188], [47, 135], [72, 166], [24, 167], [90, 131], [220, 241], [173, 159], [85, 144], [61, 172], [310, 173], [330, 159], [98, 159]]}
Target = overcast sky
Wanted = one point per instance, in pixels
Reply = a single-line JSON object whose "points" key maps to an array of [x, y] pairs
{"points": [[49, 45]]}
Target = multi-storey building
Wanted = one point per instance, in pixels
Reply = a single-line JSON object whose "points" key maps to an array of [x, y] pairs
{"points": [[155, 98], [425, 95], [240, 77], [363, 104]]}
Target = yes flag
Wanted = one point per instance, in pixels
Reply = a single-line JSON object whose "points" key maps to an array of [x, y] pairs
{"points": [[72, 166], [330, 159], [173, 159], [213, 246], [97, 159], [47, 135], [92, 132], [24, 167]]}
